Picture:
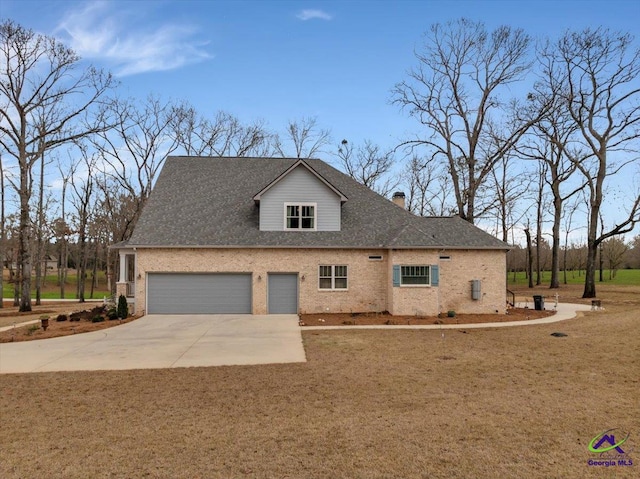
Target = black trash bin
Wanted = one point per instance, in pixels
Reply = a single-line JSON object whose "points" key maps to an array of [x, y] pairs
{"points": [[538, 302]]}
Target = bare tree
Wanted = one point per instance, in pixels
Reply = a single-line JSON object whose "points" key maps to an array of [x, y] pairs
{"points": [[527, 233], [427, 188], [614, 250], [42, 231], [61, 227], [455, 94], [596, 71], [134, 149], [551, 141], [633, 256], [225, 135], [568, 220], [305, 138], [83, 186], [45, 101], [509, 189], [368, 165], [540, 208]]}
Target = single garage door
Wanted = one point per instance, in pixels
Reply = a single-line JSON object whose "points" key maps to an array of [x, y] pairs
{"points": [[283, 293], [176, 293]]}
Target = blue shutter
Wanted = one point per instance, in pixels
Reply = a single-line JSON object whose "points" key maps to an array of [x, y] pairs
{"points": [[396, 275], [435, 275]]}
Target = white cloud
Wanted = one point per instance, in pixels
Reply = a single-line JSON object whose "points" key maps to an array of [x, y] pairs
{"points": [[313, 14], [122, 40]]}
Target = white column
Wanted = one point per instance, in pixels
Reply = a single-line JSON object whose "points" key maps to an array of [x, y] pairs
{"points": [[123, 266]]}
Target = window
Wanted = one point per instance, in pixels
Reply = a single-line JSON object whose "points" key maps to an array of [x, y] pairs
{"points": [[414, 275], [300, 217], [332, 277]]}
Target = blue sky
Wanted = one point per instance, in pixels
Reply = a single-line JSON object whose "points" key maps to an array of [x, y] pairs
{"points": [[283, 60], [278, 61]]}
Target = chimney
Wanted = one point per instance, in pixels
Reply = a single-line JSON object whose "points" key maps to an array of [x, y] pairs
{"points": [[398, 199]]}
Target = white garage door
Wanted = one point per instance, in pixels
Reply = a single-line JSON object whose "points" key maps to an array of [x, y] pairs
{"points": [[181, 293]]}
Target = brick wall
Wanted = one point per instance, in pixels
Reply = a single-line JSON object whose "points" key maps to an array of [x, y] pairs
{"points": [[454, 290], [369, 282]]}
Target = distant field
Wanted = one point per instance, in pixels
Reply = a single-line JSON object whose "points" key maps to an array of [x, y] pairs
{"points": [[51, 289], [628, 277]]}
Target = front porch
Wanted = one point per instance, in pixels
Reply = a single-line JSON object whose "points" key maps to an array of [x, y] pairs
{"points": [[126, 284]]}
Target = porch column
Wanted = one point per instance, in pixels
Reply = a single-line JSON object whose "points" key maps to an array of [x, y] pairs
{"points": [[123, 267]]}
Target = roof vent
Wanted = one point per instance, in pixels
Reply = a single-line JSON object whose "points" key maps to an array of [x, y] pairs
{"points": [[398, 199]]}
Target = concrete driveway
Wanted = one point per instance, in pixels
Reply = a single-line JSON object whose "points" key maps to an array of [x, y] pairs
{"points": [[164, 341]]}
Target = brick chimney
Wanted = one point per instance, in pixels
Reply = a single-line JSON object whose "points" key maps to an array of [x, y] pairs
{"points": [[398, 199]]}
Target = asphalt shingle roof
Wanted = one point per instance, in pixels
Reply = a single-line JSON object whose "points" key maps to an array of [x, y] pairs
{"points": [[208, 201]]}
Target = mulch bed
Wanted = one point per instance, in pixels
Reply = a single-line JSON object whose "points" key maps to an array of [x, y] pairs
{"points": [[61, 324], [367, 319]]}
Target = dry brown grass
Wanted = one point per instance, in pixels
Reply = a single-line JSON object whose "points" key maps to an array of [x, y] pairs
{"points": [[508, 403]]}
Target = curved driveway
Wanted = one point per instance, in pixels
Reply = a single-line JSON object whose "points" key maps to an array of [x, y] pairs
{"points": [[173, 341], [164, 341]]}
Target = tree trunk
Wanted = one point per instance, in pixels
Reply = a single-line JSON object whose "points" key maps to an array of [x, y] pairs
{"points": [[94, 272], [108, 273], [24, 242], [39, 236], [529, 257], [539, 213], [590, 272], [555, 246], [600, 263], [82, 264]]}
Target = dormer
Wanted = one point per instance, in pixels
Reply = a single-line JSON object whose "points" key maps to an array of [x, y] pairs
{"points": [[300, 199]]}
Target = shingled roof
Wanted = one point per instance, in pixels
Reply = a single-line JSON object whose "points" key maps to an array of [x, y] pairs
{"points": [[209, 201]]}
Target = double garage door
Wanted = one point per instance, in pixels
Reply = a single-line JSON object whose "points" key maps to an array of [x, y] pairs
{"points": [[177, 293], [209, 293]]}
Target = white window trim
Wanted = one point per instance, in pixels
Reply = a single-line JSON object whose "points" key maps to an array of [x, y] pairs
{"points": [[315, 216], [333, 277], [427, 285]]}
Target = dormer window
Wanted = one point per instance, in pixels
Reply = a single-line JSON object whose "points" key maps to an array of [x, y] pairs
{"points": [[300, 216]]}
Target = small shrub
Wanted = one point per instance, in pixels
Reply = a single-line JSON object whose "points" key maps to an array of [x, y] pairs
{"points": [[32, 329], [97, 319], [61, 317], [112, 314], [123, 307]]}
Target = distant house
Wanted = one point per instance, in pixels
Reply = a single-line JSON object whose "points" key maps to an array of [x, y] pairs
{"points": [[49, 263], [280, 235]]}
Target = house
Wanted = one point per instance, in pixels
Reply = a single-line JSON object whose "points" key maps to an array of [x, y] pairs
{"points": [[282, 235]]}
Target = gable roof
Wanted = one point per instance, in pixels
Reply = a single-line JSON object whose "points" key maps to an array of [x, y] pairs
{"points": [[209, 202], [301, 163]]}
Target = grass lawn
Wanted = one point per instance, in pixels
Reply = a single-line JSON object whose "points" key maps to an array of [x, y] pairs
{"points": [[497, 403], [623, 277], [51, 289]]}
